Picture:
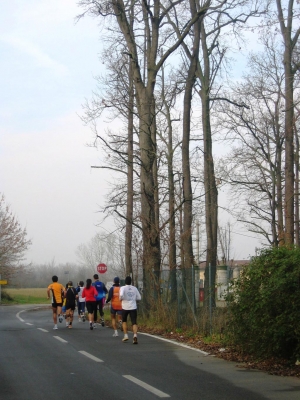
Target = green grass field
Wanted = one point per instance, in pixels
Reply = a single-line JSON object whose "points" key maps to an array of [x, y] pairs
{"points": [[24, 296]]}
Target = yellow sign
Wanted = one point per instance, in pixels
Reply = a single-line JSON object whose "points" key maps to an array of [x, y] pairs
{"points": [[3, 282]]}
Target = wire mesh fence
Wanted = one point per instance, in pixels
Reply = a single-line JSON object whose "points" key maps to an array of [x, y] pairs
{"points": [[175, 299]]}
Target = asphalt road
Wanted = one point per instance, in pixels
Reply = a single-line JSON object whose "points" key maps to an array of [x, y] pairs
{"points": [[39, 363]]}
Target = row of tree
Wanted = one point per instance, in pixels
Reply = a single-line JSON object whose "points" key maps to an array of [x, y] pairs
{"points": [[167, 81]]}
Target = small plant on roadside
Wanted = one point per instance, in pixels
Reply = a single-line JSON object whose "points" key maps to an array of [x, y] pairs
{"points": [[6, 298], [190, 334], [209, 339]]}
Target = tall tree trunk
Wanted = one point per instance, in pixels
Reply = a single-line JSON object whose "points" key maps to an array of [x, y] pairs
{"points": [[129, 206], [172, 221], [156, 281], [211, 192], [186, 171], [151, 237], [297, 227], [188, 258], [211, 203], [286, 31], [278, 179]]}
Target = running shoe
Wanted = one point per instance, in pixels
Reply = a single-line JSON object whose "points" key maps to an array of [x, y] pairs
{"points": [[55, 327], [125, 338], [91, 326], [60, 318], [67, 324], [135, 340], [94, 325], [102, 321], [115, 334], [83, 318]]}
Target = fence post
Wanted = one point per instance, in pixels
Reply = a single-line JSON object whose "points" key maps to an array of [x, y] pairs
{"points": [[193, 289], [210, 299], [178, 302]]}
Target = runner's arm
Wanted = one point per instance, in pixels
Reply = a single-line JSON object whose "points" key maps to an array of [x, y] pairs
{"points": [[110, 294], [138, 295], [95, 292]]}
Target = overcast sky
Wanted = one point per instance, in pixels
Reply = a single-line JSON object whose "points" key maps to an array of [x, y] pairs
{"points": [[47, 69], [47, 66]]}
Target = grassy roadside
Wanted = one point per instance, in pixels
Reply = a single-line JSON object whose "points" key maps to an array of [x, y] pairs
{"points": [[24, 296]]}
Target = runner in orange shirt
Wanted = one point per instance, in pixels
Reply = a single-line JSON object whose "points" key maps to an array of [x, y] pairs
{"points": [[57, 290], [116, 305]]}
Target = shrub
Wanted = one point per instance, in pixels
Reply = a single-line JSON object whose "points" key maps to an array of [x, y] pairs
{"points": [[264, 305], [5, 297]]}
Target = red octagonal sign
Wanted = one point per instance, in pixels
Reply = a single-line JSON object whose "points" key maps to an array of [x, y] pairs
{"points": [[101, 268]]}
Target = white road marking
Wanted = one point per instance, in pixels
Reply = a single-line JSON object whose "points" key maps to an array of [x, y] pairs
{"points": [[177, 344], [18, 316], [27, 323], [90, 356], [146, 386], [60, 339], [43, 330]]}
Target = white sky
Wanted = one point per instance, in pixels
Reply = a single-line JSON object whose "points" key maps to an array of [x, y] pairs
{"points": [[46, 71]]}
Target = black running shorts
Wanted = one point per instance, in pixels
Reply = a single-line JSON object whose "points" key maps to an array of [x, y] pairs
{"points": [[91, 306], [55, 305], [133, 316], [70, 305]]}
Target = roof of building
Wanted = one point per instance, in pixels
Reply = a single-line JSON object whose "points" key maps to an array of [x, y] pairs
{"points": [[230, 263]]}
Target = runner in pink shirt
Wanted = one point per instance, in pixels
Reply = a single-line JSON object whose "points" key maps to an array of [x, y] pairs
{"points": [[90, 293]]}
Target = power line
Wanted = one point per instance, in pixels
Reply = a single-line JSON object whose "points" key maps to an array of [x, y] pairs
{"points": [[240, 234]]}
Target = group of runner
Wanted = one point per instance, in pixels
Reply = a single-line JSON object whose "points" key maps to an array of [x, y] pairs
{"points": [[93, 297]]}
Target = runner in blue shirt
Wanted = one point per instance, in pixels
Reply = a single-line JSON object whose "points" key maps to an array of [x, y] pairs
{"points": [[101, 289]]}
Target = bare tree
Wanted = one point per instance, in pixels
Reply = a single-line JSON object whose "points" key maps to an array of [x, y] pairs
{"points": [[225, 242], [254, 166], [13, 242]]}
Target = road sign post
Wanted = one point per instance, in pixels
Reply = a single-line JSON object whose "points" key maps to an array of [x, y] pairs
{"points": [[101, 268], [2, 282]]}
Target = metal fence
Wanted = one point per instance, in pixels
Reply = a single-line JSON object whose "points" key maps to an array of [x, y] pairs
{"points": [[179, 294]]}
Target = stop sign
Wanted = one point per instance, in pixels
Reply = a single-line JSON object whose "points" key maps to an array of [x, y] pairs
{"points": [[101, 268]]}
